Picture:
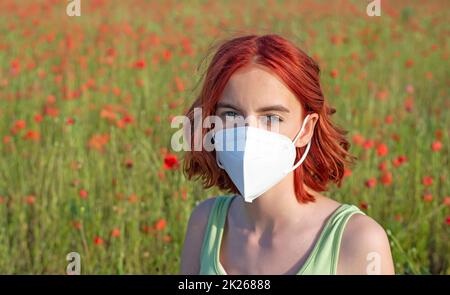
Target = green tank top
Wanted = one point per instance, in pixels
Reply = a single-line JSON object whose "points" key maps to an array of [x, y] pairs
{"points": [[322, 259]]}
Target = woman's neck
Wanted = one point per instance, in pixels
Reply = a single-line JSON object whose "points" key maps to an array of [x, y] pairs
{"points": [[274, 210]]}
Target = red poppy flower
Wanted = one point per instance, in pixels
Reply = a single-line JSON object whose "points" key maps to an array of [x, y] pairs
{"points": [[146, 228], [133, 198], [108, 114], [371, 182], [446, 201], [382, 166], [179, 84], [402, 159], [98, 241], [368, 144], [409, 89], [30, 199], [358, 139], [140, 64], [160, 224], [70, 121], [436, 146], [334, 73], [32, 135], [6, 139], [399, 160], [382, 95], [386, 178], [347, 172], [389, 119], [51, 111], [184, 194], [427, 180], [83, 194], [171, 161], [98, 141], [38, 118], [409, 63], [115, 233], [382, 150], [128, 119], [76, 224], [428, 197], [167, 55], [409, 104], [20, 124], [363, 205]]}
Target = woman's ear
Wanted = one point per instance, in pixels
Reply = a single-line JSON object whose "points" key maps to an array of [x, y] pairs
{"points": [[308, 131]]}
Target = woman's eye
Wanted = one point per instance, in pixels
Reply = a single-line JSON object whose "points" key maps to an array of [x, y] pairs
{"points": [[273, 118], [229, 114]]}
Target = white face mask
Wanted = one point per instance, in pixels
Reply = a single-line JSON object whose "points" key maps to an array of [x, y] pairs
{"points": [[256, 159]]}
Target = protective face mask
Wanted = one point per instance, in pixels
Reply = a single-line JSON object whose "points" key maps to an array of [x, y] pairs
{"points": [[256, 159]]}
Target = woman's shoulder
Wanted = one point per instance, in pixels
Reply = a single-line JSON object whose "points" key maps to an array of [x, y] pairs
{"points": [[365, 240], [198, 221], [201, 211], [360, 228], [363, 229]]}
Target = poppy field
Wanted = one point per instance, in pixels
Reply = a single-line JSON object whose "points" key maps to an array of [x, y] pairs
{"points": [[86, 104]]}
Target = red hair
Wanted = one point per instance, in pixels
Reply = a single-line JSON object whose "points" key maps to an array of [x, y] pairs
{"points": [[328, 154]]}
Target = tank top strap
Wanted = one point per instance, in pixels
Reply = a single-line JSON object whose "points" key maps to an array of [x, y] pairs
{"points": [[324, 258], [214, 229]]}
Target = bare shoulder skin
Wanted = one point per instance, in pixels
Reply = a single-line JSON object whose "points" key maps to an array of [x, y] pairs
{"points": [[364, 248], [190, 256]]}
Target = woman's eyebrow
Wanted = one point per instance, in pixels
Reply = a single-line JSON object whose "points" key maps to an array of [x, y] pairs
{"points": [[227, 105], [277, 107]]}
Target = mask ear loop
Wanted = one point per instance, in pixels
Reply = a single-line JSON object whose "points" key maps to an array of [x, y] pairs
{"points": [[217, 160], [218, 163], [307, 147]]}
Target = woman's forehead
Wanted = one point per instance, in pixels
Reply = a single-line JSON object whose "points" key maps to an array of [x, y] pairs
{"points": [[254, 86]]}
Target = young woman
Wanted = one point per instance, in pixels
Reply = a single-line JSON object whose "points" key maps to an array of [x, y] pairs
{"points": [[275, 221]]}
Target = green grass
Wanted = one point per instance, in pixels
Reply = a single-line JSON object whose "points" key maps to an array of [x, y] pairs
{"points": [[54, 53]]}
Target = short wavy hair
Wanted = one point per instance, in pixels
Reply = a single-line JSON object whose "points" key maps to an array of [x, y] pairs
{"points": [[328, 155]]}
